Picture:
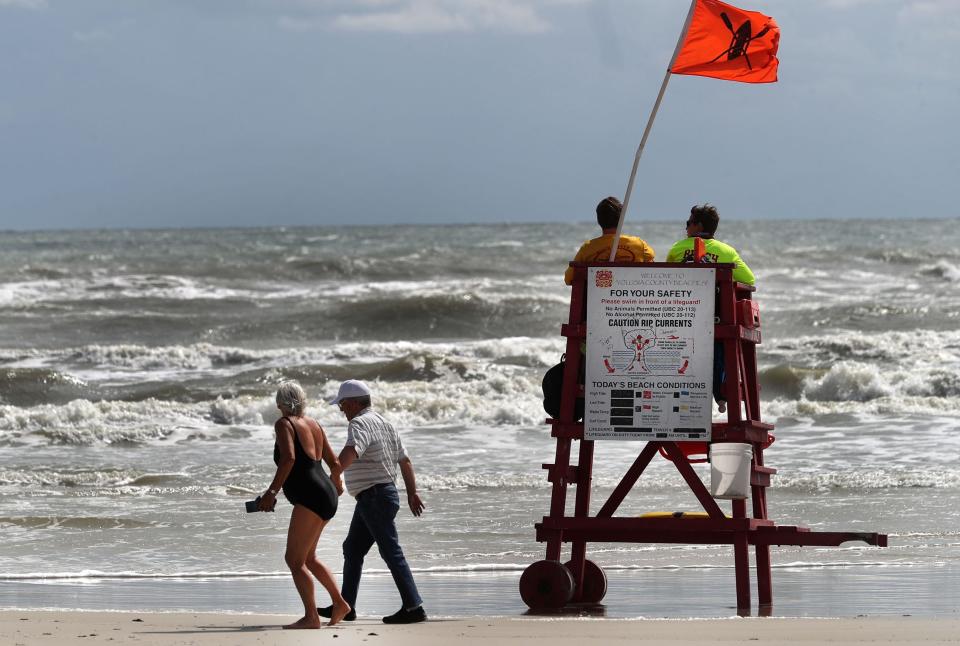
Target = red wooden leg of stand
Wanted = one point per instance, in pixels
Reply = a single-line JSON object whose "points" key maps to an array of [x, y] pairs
{"points": [[553, 549], [741, 561], [578, 553], [742, 566], [558, 499], [764, 576]]}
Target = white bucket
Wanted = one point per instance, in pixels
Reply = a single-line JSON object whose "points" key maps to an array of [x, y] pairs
{"points": [[730, 470]]}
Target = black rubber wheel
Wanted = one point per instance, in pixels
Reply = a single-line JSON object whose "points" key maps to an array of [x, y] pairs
{"points": [[594, 582], [546, 584]]}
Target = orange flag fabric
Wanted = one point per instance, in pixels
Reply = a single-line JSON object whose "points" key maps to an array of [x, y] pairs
{"points": [[728, 43]]}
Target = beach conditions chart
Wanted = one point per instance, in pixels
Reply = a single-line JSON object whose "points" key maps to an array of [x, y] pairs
{"points": [[649, 373]]}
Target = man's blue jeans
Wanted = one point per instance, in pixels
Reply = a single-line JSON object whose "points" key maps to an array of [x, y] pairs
{"points": [[373, 523]]}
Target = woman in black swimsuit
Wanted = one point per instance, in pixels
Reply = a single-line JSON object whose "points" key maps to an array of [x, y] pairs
{"points": [[300, 446]]}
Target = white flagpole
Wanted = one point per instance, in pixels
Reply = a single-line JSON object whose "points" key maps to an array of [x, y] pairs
{"points": [[646, 133]]}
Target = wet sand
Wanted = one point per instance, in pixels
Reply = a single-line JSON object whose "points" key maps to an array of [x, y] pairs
{"points": [[43, 628]]}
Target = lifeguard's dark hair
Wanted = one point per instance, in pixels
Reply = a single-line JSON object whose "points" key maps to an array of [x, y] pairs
{"points": [[706, 216], [608, 212]]}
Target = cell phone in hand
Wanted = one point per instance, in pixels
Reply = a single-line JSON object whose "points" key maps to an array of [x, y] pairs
{"points": [[252, 505]]}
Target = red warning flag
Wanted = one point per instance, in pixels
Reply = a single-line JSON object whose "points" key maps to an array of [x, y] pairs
{"points": [[727, 43]]}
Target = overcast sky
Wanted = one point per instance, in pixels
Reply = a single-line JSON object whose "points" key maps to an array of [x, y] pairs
{"points": [[148, 113]]}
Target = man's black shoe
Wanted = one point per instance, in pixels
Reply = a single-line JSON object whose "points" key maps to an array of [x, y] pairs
{"points": [[402, 616], [350, 616]]}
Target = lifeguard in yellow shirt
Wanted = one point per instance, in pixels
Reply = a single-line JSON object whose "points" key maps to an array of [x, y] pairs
{"points": [[629, 249], [703, 223]]}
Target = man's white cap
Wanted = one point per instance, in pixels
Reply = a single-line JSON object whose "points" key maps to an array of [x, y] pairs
{"points": [[349, 389]]}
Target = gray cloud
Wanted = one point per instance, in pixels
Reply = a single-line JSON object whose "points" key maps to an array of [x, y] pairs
{"points": [[423, 16], [24, 4]]}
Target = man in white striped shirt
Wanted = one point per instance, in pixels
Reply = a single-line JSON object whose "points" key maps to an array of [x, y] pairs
{"points": [[370, 458]]}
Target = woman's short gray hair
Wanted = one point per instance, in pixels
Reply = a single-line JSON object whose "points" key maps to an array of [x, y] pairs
{"points": [[291, 398]]}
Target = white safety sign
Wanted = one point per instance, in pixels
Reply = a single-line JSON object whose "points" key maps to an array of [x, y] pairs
{"points": [[649, 360]]}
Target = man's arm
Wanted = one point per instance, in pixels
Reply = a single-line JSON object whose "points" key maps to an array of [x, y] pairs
{"points": [[742, 273], [649, 255], [347, 457], [568, 274], [349, 453], [410, 483]]}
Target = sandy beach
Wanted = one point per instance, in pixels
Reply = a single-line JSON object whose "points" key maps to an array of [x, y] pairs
{"points": [[40, 628]]}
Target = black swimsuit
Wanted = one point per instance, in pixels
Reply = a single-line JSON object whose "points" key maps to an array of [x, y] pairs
{"points": [[308, 484]]}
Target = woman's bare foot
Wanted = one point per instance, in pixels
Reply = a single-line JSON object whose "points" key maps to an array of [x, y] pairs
{"points": [[304, 623], [338, 612]]}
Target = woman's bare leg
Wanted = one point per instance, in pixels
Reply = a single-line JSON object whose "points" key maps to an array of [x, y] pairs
{"points": [[302, 537], [325, 577]]}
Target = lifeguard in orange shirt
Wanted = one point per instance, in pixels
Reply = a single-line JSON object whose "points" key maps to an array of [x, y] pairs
{"points": [[630, 248]]}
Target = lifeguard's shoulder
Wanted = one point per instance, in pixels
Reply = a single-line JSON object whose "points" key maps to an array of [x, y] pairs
{"points": [[635, 242], [711, 244], [717, 244], [676, 251]]}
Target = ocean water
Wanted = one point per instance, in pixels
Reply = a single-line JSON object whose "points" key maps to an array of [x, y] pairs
{"points": [[137, 372]]}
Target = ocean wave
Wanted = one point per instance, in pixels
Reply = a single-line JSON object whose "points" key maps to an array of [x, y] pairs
{"points": [[43, 271], [913, 347], [129, 288], [942, 269], [883, 407], [74, 522], [498, 400], [28, 386], [243, 410], [658, 478], [860, 479], [784, 381], [192, 357], [83, 575], [515, 244], [465, 569], [340, 282], [899, 256], [522, 350], [419, 365], [468, 480], [98, 478], [412, 266], [848, 381], [84, 422], [138, 393], [443, 315], [822, 349], [138, 357], [858, 387], [326, 268], [861, 367]]}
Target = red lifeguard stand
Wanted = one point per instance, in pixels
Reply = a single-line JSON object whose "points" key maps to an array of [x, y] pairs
{"points": [[551, 583]]}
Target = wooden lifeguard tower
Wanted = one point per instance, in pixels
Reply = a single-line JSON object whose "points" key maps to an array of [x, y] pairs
{"points": [[552, 583]]}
